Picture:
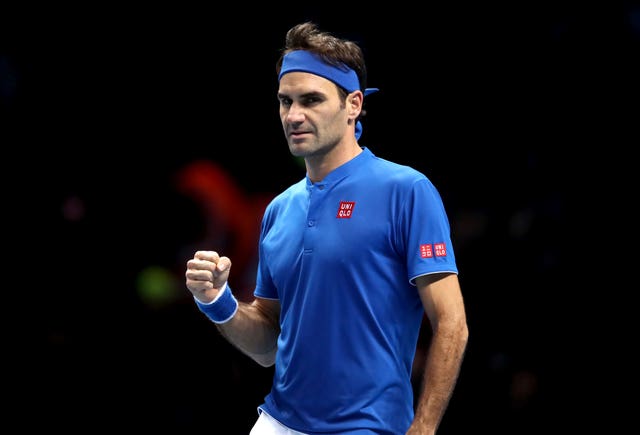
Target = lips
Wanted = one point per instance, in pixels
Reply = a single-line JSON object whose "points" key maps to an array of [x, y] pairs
{"points": [[298, 134]]}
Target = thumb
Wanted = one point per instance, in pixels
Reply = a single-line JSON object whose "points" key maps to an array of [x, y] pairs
{"points": [[221, 272], [224, 264]]}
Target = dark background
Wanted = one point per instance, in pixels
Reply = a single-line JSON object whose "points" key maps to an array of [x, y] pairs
{"points": [[110, 115]]}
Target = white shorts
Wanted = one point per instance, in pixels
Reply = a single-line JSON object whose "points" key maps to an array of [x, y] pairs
{"points": [[267, 425]]}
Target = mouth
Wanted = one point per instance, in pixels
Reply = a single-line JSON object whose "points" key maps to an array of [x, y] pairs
{"points": [[295, 135]]}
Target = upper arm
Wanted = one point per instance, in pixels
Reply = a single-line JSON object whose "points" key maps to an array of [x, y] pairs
{"points": [[269, 309], [441, 298]]}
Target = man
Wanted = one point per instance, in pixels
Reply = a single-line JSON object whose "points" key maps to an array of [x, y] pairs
{"points": [[350, 260]]}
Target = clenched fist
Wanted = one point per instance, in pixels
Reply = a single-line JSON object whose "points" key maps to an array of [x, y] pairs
{"points": [[207, 273]]}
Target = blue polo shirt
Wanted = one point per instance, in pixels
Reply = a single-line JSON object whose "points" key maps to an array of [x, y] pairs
{"points": [[341, 256]]}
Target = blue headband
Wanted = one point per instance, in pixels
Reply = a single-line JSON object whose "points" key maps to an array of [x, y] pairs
{"points": [[343, 76]]}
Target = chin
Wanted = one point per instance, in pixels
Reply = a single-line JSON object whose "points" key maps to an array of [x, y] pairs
{"points": [[298, 149]]}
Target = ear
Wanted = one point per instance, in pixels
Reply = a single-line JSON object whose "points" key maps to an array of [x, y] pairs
{"points": [[354, 104]]}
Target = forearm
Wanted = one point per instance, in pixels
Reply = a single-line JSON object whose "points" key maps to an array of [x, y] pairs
{"points": [[253, 328], [254, 332], [441, 370]]}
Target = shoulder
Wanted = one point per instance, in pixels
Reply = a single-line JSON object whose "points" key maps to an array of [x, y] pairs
{"points": [[396, 172], [287, 195]]}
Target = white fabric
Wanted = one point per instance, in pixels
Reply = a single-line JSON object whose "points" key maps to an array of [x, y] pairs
{"points": [[267, 425]]}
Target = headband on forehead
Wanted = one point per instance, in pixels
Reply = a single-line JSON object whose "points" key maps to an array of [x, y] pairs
{"points": [[343, 76], [306, 61]]}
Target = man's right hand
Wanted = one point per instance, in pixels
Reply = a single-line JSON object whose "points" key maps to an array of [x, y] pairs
{"points": [[206, 275]]}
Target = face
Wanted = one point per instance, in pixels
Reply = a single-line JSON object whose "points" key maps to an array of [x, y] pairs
{"points": [[313, 114]]}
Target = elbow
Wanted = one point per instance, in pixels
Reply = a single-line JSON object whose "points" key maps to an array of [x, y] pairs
{"points": [[464, 333], [265, 362], [461, 326], [455, 328], [265, 359]]}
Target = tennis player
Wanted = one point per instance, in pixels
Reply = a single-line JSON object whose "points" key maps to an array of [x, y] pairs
{"points": [[351, 258]]}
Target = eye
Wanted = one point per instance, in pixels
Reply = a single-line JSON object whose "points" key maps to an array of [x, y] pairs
{"points": [[285, 102], [311, 100]]}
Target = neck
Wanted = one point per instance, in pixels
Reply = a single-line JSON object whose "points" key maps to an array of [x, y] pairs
{"points": [[319, 166]]}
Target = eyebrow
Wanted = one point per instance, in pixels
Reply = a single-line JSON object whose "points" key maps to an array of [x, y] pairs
{"points": [[305, 95]]}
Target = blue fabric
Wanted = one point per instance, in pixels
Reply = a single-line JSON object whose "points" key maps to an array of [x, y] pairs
{"points": [[306, 61], [223, 309], [341, 256]]}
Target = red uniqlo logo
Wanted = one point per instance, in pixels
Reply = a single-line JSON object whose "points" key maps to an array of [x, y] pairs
{"points": [[426, 251], [346, 209]]}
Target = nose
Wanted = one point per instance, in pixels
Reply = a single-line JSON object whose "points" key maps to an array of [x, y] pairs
{"points": [[295, 114]]}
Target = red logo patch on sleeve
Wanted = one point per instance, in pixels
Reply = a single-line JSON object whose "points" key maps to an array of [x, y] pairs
{"points": [[441, 249], [426, 251], [345, 209]]}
